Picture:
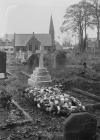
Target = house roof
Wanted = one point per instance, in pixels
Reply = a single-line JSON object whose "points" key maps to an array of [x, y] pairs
{"points": [[22, 39]]}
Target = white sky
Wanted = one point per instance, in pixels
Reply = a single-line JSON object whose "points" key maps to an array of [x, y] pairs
{"points": [[28, 16]]}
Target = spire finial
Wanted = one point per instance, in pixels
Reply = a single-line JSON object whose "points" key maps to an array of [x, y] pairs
{"points": [[51, 29]]}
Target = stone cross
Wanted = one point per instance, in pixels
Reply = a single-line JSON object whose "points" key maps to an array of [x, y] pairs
{"points": [[21, 54], [41, 52]]}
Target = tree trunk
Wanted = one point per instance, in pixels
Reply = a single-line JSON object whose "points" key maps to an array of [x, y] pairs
{"points": [[85, 40], [98, 35], [81, 39]]}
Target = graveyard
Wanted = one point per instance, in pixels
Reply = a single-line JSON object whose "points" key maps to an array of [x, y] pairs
{"points": [[48, 94], [50, 72], [40, 112]]}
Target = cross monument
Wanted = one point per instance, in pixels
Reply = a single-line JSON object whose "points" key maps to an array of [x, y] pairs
{"points": [[40, 76], [41, 52]]}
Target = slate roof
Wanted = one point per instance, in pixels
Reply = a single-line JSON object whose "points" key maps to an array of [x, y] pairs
{"points": [[22, 39]]}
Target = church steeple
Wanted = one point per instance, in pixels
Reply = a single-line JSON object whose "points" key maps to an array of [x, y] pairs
{"points": [[51, 30]]}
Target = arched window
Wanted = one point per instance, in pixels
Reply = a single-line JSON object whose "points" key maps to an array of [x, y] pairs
{"points": [[30, 47]]}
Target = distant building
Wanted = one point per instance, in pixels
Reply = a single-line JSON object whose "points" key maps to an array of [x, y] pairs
{"points": [[91, 44], [7, 46], [29, 43], [67, 46], [9, 37], [26, 44]]}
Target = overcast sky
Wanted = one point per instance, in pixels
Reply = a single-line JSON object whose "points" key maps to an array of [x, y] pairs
{"points": [[28, 16]]}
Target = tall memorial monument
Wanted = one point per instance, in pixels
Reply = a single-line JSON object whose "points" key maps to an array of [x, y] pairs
{"points": [[2, 65], [40, 76]]}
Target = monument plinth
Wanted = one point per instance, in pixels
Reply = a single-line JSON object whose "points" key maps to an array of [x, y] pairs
{"points": [[40, 76]]}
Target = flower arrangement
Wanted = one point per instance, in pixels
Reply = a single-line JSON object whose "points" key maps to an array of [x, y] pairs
{"points": [[51, 99]]}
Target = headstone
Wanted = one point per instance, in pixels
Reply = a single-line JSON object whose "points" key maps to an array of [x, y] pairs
{"points": [[81, 126], [29, 53], [40, 75], [2, 65], [20, 55]]}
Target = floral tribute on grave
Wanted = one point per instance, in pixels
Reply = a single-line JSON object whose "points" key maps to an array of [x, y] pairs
{"points": [[53, 100]]}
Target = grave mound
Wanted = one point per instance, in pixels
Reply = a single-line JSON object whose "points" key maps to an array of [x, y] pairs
{"points": [[53, 100]]}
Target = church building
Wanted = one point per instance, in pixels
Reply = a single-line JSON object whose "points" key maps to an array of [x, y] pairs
{"points": [[29, 43]]}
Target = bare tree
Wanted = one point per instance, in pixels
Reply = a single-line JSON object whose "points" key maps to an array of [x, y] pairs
{"points": [[95, 13], [77, 19]]}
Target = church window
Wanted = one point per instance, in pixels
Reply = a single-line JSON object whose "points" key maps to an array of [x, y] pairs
{"points": [[17, 49], [23, 48], [36, 47], [6, 49], [46, 47], [11, 49], [30, 48]]}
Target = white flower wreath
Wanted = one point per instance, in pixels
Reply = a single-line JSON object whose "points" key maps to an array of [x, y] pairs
{"points": [[51, 99]]}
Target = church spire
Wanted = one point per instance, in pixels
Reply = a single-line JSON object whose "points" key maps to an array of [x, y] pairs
{"points": [[51, 30]]}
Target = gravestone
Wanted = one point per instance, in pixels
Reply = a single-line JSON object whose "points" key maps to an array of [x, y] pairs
{"points": [[2, 65], [61, 58], [29, 53], [81, 126], [20, 56], [40, 75]]}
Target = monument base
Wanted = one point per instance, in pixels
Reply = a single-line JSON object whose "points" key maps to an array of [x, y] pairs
{"points": [[40, 77], [2, 75]]}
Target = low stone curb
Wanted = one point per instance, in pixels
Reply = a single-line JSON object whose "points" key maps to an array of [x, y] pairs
{"points": [[97, 98], [13, 124], [28, 118], [22, 110], [94, 106], [25, 73]]}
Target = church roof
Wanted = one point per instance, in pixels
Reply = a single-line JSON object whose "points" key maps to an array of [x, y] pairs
{"points": [[22, 39]]}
